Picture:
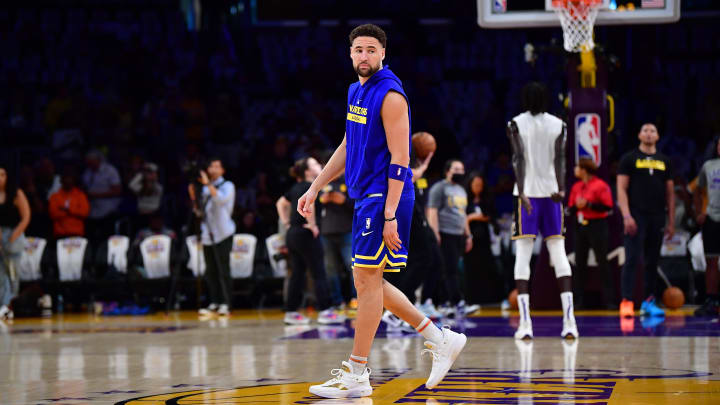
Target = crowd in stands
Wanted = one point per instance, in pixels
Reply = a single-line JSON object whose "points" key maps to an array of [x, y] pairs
{"points": [[104, 113]]}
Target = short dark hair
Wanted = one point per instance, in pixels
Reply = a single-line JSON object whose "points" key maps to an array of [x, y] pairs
{"points": [[588, 165], [448, 164], [649, 123], [369, 30], [534, 98], [211, 159]]}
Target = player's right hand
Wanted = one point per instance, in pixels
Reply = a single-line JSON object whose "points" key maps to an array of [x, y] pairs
{"points": [[558, 197], [526, 203], [630, 226], [391, 236], [306, 203]]}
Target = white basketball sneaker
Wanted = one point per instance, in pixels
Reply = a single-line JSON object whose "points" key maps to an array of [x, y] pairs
{"points": [[345, 384], [5, 313], [354, 401], [444, 355], [210, 310], [223, 310], [296, 318], [569, 330], [524, 331], [391, 319], [330, 316]]}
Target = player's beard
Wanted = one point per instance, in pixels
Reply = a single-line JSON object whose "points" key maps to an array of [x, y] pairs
{"points": [[371, 71]]}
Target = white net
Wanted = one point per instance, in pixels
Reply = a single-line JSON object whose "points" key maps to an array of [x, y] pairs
{"points": [[577, 19]]}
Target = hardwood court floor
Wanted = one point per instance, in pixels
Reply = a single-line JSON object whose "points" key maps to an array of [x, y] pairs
{"points": [[252, 358]]}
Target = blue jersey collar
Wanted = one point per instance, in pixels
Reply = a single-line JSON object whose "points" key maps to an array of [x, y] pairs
{"points": [[384, 73]]}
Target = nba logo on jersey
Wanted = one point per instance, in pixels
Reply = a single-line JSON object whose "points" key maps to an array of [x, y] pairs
{"points": [[367, 223], [587, 137], [500, 6]]}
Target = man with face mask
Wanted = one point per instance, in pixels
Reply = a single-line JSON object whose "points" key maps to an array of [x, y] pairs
{"points": [[447, 218]]}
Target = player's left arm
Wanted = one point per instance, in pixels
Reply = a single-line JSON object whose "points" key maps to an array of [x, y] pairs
{"points": [[559, 164], [396, 122]]}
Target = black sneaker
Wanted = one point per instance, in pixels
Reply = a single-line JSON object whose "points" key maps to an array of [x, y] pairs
{"points": [[709, 308]]}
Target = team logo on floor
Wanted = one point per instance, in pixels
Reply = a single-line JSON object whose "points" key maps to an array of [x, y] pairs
{"points": [[479, 386]]}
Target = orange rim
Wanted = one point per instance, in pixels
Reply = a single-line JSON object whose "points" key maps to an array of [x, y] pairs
{"points": [[564, 3]]}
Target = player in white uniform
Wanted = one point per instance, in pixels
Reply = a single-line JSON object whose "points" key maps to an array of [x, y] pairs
{"points": [[538, 142]]}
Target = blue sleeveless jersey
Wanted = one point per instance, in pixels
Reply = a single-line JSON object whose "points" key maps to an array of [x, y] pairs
{"points": [[368, 157]]}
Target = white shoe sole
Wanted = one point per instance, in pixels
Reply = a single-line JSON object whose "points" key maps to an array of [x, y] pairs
{"points": [[353, 393], [330, 321], [570, 334], [523, 334], [307, 322], [457, 347]]}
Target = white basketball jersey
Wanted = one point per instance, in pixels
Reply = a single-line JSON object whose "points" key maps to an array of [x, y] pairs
{"points": [[242, 255], [195, 250], [155, 252], [29, 265], [70, 255], [117, 252], [538, 134], [274, 243]]}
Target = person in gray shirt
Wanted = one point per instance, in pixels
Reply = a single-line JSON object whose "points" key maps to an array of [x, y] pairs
{"points": [[447, 218], [709, 218]]}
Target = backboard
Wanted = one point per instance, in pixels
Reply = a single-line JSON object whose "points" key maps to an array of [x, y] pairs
{"points": [[539, 13]]}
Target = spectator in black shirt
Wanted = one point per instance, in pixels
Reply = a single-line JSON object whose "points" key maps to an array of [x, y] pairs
{"points": [[645, 196], [336, 229], [305, 248], [480, 267]]}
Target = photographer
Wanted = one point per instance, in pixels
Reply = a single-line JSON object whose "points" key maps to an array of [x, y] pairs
{"points": [[214, 209]]}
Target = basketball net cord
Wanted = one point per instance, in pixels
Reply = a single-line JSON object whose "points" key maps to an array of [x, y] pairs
{"points": [[577, 19]]}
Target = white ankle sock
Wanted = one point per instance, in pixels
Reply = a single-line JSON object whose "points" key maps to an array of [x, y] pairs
{"points": [[429, 331], [358, 364], [567, 305], [523, 301]]}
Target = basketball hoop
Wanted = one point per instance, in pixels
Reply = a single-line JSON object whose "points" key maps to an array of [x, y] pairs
{"points": [[577, 18]]}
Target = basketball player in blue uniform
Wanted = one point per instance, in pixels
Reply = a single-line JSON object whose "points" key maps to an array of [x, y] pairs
{"points": [[375, 155]]}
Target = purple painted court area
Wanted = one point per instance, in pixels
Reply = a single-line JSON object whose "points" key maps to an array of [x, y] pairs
{"points": [[543, 326]]}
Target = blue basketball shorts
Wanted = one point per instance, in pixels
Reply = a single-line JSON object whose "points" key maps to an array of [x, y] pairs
{"points": [[368, 247]]}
